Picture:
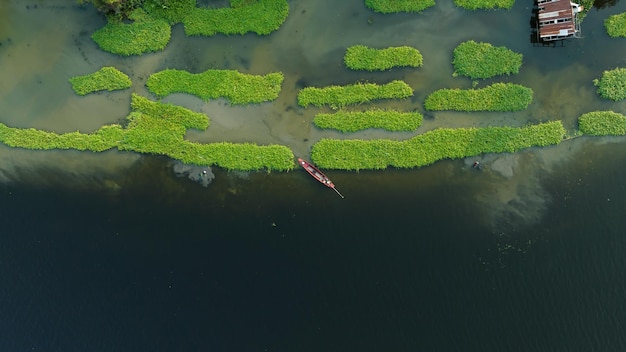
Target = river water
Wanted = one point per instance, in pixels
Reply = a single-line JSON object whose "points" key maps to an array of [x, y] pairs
{"points": [[113, 251]]}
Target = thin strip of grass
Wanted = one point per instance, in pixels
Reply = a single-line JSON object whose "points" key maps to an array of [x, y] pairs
{"points": [[616, 25], [107, 137], [484, 4], [106, 78], [339, 96], [237, 87], [145, 34], [602, 123], [496, 97], [432, 146], [352, 121], [483, 60], [361, 57], [173, 113], [386, 6], [612, 84]]}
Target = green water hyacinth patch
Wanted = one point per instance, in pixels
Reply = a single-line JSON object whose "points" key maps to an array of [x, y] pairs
{"points": [[395, 6], [616, 25], [107, 78], [432, 146], [173, 113], [484, 4], [602, 123], [145, 34], [496, 97], [237, 87], [352, 121], [261, 17], [339, 96], [361, 57], [612, 84], [483, 60]]}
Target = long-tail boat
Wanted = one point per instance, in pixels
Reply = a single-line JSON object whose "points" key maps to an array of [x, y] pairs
{"points": [[318, 175]]}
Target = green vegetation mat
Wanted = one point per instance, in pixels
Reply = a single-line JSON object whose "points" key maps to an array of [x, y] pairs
{"points": [[394, 6], [106, 78], [496, 97], [157, 128], [616, 25], [483, 60], [602, 123], [151, 28], [427, 148], [612, 84], [340, 96], [173, 113], [145, 34], [352, 121], [360, 57], [484, 4], [237, 87]]}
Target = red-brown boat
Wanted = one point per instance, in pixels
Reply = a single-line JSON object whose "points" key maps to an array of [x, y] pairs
{"points": [[318, 175]]}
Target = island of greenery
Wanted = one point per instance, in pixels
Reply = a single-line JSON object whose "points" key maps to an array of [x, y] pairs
{"points": [[484, 4], [616, 25], [483, 60], [386, 6], [107, 78], [361, 57], [339, 96], [496, 97], [612, 84], [602, 123], [237, 87], [352, 121], [157, 128], [429, 147], [152, 21]]}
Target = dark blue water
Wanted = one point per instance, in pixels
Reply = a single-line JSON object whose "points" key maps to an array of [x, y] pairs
{"points": [[279, 263]]}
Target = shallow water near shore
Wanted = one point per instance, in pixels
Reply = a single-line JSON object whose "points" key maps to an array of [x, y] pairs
{"points": [[113, 251]]}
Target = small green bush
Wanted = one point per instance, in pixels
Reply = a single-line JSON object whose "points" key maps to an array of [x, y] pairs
{"points": [[484, 4], [352, 121], [145, 34], [106, 78], [602, 123], [496, 97], [360, 57], [395, 6], [340, 96], [237, 87], [432, 146], [612, 84], [483, 60], [616, 25]]}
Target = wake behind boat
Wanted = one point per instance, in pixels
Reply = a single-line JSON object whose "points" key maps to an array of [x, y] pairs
{"points": [[318, 175]]}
